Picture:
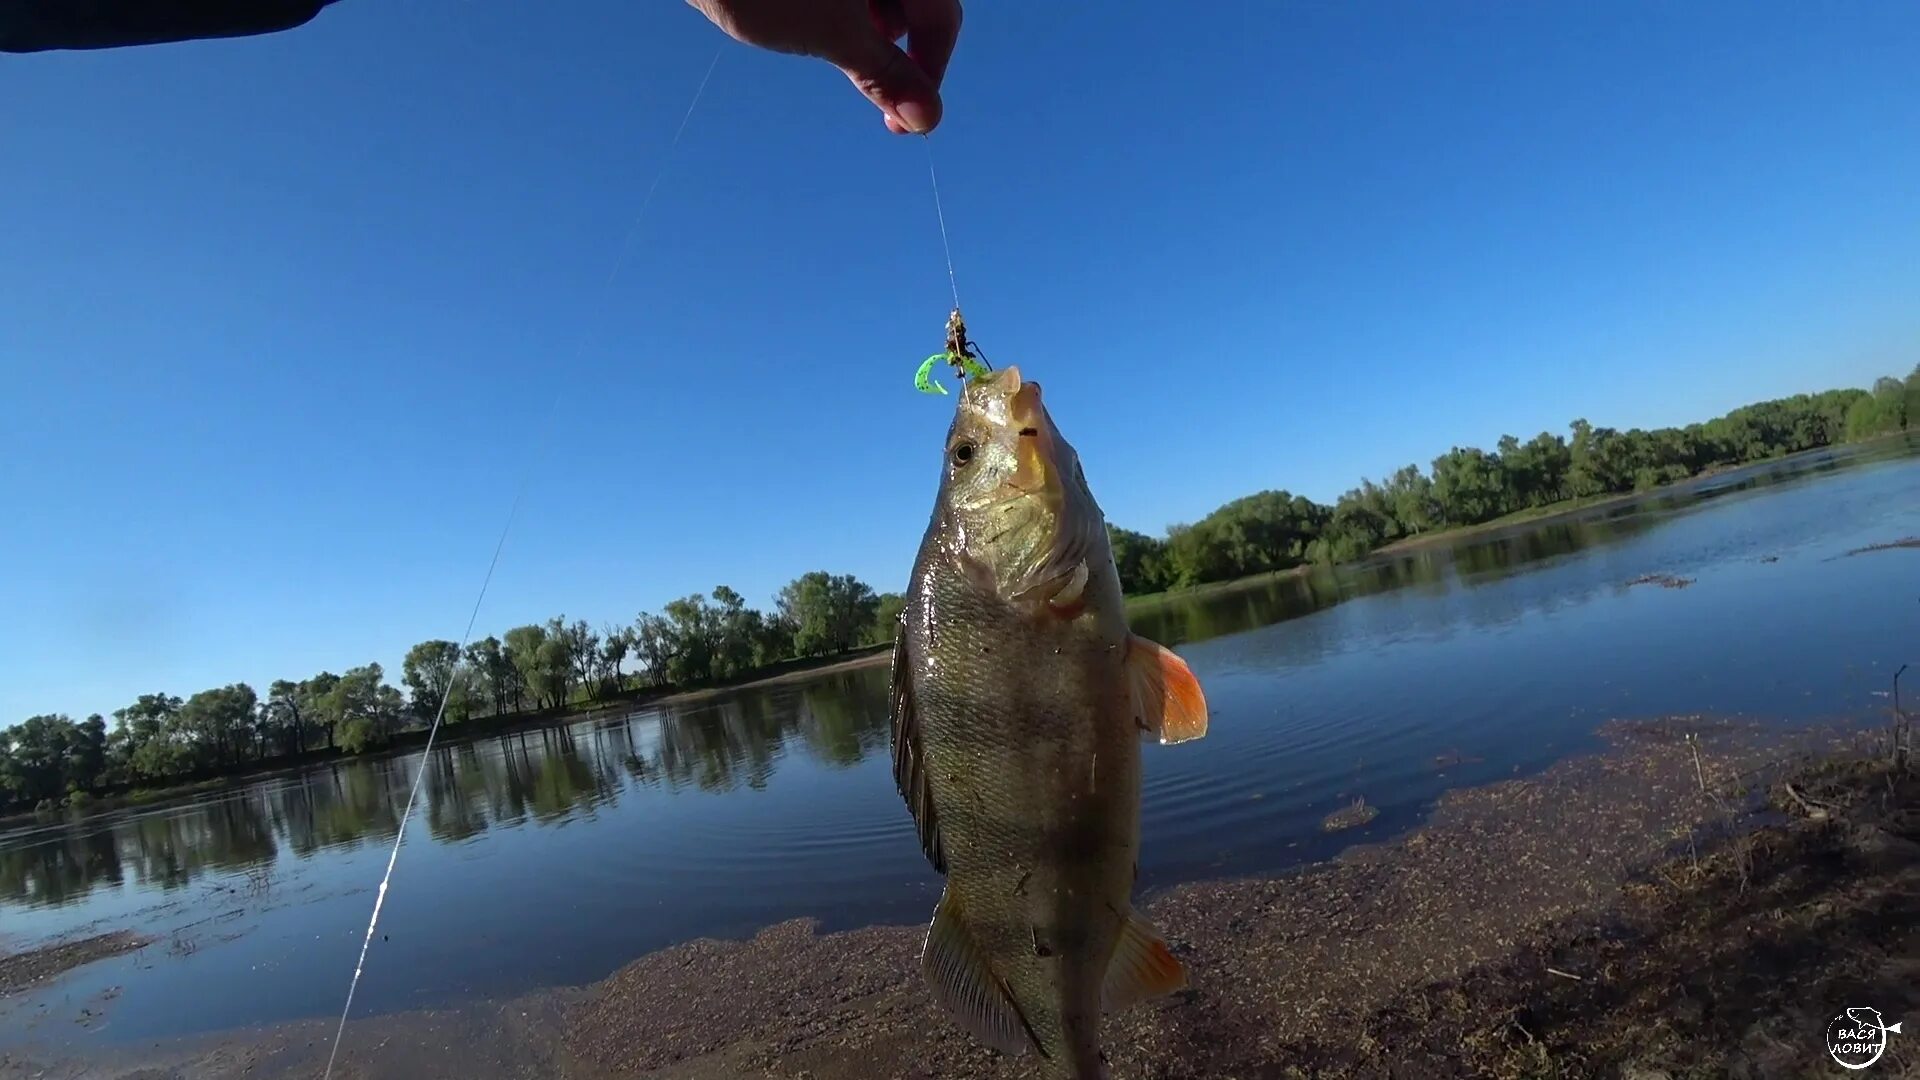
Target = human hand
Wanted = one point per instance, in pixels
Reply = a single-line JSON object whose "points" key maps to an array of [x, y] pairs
{"points": [[857, 36]]}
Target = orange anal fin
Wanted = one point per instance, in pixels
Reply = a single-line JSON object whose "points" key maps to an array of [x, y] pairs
{"points": [[1167, 699], [1142, 966]]}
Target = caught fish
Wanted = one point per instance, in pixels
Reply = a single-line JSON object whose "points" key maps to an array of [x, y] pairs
{"points": [[1019, 701]]}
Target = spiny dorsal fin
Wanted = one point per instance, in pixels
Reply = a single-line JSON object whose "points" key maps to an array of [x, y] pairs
{"points": [[1142, 966], [965, 984], [909, 765], [1167, 699]]}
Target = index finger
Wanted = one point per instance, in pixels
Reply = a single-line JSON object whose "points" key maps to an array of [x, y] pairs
{"points": [[933, 26]]}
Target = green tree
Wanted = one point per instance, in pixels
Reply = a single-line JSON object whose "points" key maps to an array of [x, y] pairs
{"points": [[494, 670], [557, 663], [830, 613], [1881, 412], [38, 759], [320, 706], [147, 743], [368, 709], [615, 644], [1410, 492], [886, 615], [218, 727], [1536, 470], [1140, 560], [736, 629], [429, 670], [87, 757], [773, 640], [1359, 523], [654, 647], [281, 721], [1470, 485], [12, 787], [524, 647]]}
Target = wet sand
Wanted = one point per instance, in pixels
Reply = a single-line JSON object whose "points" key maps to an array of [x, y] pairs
{"points": [[1605, 914], [22, 971]]}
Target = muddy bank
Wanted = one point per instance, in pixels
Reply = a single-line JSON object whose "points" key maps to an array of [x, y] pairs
{"points": [[1728, 960], [1283, 968], [1608, 917], [23, 970]]}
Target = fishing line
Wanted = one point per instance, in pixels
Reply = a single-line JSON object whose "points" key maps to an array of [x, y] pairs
{"points": [[527, 473], [941, 213]]}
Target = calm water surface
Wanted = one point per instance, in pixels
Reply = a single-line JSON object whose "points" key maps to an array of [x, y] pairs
{"points": [[555, 856]]}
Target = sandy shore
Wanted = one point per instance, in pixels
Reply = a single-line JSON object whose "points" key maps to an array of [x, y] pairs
{"points": [[1602, 917], [866, 660], [23, 970]]}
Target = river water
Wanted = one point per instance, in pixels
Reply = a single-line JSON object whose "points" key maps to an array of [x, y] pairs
{"points": [[554, 856]]}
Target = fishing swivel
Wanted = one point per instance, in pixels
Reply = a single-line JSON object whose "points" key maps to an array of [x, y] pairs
{"points": [[964, 355], [959, 349]]}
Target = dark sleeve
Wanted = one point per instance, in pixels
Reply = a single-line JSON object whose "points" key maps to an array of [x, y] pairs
{"points": [[36, 25]]}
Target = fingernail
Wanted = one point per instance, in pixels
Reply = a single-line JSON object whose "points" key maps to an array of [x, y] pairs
{"points": [[917, 117]]}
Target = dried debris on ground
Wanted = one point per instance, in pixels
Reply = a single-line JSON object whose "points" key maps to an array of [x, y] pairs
{"points": [[1540, 904]]}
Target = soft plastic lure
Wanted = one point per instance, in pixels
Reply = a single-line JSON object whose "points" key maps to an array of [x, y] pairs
{"points": [[966, 365]]}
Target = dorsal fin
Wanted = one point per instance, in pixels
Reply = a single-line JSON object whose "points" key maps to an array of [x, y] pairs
{"points": [[909, 764]]}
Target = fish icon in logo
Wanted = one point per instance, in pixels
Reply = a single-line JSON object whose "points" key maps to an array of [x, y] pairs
{"points": [[1858, 1036]]}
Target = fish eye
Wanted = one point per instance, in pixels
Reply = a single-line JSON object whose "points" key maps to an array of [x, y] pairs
{"points": [[963, 453]]}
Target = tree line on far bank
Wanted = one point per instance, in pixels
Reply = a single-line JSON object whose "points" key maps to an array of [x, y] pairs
{"points": [[162, 738], [1275, 530]]}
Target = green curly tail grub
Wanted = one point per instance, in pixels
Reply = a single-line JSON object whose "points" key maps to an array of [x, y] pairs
{"points": [[970, 366], [923, 379]]}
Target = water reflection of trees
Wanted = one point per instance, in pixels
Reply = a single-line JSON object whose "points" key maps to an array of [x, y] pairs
{"points": [[736, 741], [537, 775]]}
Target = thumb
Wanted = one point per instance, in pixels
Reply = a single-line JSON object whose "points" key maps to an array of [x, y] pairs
{"points": [[891, 80]]}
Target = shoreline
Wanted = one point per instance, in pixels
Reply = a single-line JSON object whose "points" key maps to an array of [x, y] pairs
{"points": [[798, 670], [410, 739], [878, 656], [1425, 941]]}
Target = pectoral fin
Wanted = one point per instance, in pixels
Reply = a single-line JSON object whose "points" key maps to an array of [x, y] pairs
{"points": [[1167, 700], [1142, 966], [965, 984]]}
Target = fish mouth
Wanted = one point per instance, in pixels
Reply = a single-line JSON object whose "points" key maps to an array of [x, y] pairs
{"points": [[1044, 500], [1036, 443]]}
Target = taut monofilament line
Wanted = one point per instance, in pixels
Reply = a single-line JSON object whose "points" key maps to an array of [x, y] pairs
{"points": [[433, 730], [940, 213], [961, 352]]}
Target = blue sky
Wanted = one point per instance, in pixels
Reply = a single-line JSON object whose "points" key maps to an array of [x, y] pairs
{"points": [[281, 317]]}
